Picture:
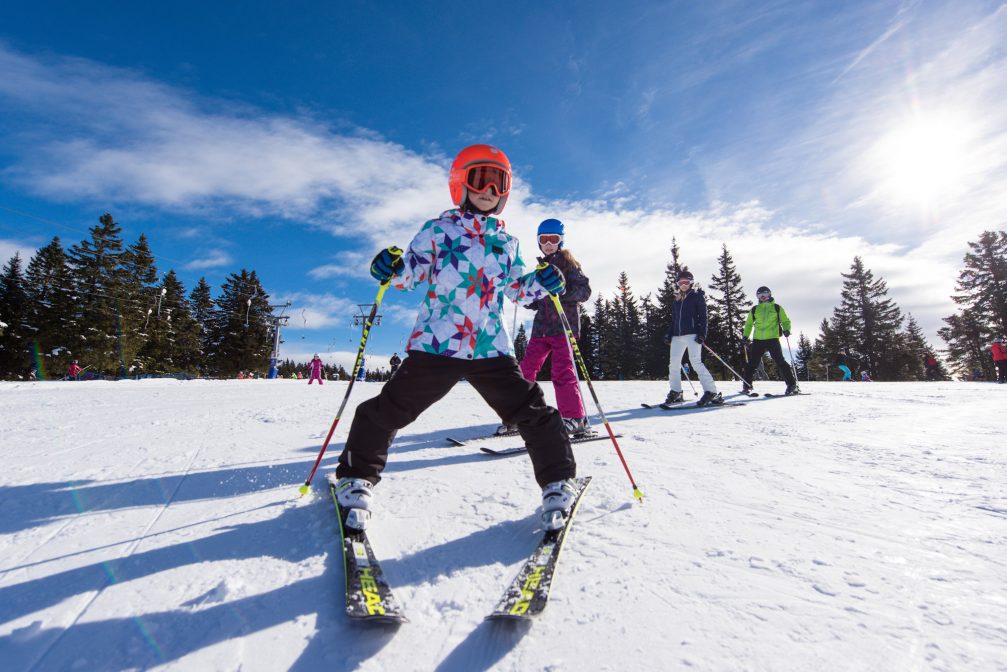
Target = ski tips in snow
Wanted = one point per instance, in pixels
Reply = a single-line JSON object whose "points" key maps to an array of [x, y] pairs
{"points": [[368, 596], [528, 593]]}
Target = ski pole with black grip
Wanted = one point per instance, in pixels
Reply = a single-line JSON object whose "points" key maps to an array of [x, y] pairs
{"points": [[353, 378], [587, 378]]}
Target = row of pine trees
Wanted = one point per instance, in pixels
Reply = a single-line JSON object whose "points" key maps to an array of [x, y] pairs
{"points": [[623, 336], [104, 303]]}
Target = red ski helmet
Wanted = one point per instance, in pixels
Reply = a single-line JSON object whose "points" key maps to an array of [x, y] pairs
{"points": [[478, 156]]}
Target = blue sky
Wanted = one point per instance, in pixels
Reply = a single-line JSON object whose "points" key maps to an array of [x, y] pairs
{"points": [[297, 140]]}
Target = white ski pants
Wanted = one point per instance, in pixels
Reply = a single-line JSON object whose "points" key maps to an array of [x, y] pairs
{"points": [[679, 344]]}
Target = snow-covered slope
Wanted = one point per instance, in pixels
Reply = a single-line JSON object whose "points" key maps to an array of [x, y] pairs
{"points": [[156, 524]]}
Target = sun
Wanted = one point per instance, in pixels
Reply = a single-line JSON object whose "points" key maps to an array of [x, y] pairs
{"points": [[923, 160]]}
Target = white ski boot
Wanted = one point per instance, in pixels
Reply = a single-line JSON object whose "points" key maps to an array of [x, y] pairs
{"points": [[557, 498], [354, 495]]}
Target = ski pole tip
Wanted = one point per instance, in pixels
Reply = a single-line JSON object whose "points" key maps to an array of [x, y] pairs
{"points": [[303, 489], [638, 494]]}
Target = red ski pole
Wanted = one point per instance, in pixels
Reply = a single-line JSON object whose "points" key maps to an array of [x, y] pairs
{"points": [[587, 379], [353, 378]]}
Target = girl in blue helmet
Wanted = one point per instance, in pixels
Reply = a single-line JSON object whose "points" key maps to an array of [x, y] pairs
{"points": [[548, 336]]}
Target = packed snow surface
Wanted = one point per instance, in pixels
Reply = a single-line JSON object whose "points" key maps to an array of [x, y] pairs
{"points": [[156, 525]]}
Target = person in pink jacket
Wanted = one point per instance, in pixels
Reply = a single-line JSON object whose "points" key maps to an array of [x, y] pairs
{"points": [[316, 370], [548, 336]]}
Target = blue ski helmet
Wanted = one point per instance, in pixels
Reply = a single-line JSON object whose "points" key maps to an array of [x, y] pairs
{"points": [[551, 226]]}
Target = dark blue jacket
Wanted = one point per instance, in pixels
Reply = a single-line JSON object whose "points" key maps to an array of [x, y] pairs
{"points": [[688, 316]]}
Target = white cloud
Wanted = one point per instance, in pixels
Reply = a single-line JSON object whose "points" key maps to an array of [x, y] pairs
{"points": [[162, 147], [8, 248], [213, 259], [310, 311], [349, 263]]}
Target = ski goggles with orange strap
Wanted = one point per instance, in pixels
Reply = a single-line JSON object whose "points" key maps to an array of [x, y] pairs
{"points": [[481, 178]]}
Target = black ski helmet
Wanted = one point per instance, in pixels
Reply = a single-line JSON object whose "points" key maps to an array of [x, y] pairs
{"points": [[763, 290], [684, 275]]}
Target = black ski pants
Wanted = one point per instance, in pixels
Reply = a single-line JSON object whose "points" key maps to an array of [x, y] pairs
{"points": [[1001, 370], [772, 346], [423, 379]]}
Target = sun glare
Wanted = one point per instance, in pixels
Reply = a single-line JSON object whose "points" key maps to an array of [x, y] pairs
{"points": [[923, 160]]}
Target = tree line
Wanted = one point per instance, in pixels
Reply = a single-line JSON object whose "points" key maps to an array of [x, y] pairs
{"points": [[622, 337], [104, 303]]}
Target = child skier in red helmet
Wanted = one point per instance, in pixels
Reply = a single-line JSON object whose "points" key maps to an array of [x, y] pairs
{"points": [[467, 264]]}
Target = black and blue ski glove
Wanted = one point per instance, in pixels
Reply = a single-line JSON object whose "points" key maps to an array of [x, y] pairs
{"points": [[551, 278], [700, 339], [387, 264]]}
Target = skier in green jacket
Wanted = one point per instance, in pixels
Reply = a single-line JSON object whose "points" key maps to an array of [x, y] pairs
{"points": [[769, 321]]}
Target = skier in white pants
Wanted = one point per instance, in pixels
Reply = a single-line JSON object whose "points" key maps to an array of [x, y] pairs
{"points": [[687, 333]]}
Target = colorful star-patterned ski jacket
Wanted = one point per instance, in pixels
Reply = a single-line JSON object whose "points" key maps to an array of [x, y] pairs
{"points": [[467, 264]]}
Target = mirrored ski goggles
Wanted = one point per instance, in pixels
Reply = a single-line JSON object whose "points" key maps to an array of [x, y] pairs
{"points": [[481, 178], [549, 239], [763, 295]]}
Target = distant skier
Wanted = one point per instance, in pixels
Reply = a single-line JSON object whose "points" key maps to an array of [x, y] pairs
{"points": [[316, 370], [73, 373], [548, 337], [467, 264], [865, 376], [930, 364], [999, 352], [394, 363], [686, 333], [766, 322], [841, 364]]}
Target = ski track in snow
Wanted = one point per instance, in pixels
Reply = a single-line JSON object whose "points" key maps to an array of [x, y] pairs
{"points": [[156, 525]]}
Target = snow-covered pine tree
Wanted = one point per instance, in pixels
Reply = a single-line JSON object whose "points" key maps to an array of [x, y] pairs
{"points": [[803, 357], [728, 306], [139, 304], [915, 350], [584, 343], [872, 320], [982, 284], [202, 308], [657, 365], [15, 338], [626, 325], [240, 326], [968, 343], [602, 341], [655, 352], [98, 282], [52, 308], [172, 343], [520, 342]]}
